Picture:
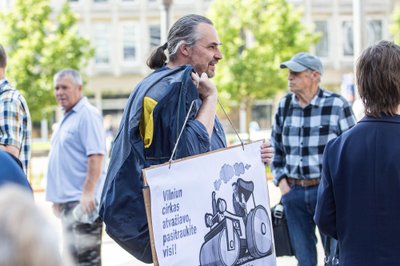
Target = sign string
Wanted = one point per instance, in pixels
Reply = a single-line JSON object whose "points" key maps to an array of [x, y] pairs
{"points": [[184, 125]]}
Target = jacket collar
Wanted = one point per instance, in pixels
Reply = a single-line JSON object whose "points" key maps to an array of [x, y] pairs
{"points": [[383, 118], [77, 106], [82, 101], [316, 100]]}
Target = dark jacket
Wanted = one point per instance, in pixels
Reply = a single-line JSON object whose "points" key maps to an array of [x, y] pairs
{"points": [[11, 171], [359, 194], [122, 205]]}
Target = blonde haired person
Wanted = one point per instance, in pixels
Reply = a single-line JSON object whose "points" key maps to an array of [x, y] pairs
{"points": [[26, 237]]}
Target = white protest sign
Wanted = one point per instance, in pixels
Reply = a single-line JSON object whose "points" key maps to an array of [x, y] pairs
{"points": [[212, 209]]}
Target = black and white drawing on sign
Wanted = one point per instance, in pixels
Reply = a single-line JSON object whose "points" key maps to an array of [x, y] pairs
{"points": [[240, 234]]}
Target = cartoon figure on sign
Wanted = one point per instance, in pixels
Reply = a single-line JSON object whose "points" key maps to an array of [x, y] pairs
{"points": [[238, 200], [239, 237]]}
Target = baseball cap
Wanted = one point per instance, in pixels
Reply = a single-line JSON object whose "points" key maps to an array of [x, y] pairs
{"points": [[303, 61]]}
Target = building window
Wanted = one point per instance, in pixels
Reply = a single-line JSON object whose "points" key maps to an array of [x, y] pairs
{"points": [[322, 47], [347, 37], [374, 31], [155, 36], [129, 44], [101, 42]]}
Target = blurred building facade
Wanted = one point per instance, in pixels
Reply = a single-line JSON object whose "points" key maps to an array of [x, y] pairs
{"points": [[335, 20], [124, 32]]}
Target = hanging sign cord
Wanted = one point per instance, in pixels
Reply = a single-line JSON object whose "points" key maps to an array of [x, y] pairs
{"points": [[230, 122], [184, 125], [180, 133]]}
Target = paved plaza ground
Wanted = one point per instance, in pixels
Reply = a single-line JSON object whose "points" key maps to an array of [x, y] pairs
{"points": [[114, 255]]}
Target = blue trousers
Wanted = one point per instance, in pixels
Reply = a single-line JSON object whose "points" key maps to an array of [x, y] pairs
{"points": [[299, 206]]}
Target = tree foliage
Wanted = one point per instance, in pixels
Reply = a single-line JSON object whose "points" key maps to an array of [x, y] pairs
{"points": [[395, 26], [257, 35], [39, 42]]}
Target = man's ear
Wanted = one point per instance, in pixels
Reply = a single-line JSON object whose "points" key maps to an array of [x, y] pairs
{"points": [[185, 49], [318, 77], [316, 74]]}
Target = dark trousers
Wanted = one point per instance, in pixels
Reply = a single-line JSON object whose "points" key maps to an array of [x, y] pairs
{"points": [[83, 240]]}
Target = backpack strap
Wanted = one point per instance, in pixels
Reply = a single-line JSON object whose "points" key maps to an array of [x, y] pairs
{"points": [[286, 108]]}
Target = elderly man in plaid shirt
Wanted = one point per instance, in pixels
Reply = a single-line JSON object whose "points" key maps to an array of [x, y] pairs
{"points": [[306, 119], [15, 121]]}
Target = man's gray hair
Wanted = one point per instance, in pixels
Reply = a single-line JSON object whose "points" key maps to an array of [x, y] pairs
{"points": [[74, 74], [182, 32]]}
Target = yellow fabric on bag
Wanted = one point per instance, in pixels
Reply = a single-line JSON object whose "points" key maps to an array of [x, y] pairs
{"points": [[147, 123]]}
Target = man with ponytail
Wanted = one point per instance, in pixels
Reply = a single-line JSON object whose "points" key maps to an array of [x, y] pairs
{"points": [[179, 88]]}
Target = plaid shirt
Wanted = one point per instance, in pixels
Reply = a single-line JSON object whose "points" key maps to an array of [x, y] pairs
{"points": [[299, 143], [15, 121]]}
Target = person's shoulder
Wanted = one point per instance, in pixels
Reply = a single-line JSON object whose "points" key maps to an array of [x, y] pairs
{"points": [[334, 143], [168, 80], [330, 94], [10, 93], [90, 110], [351, 135], [336, 98], [177, 74], [11, 171]]}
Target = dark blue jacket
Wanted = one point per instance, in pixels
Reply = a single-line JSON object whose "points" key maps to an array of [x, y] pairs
{"points": [[122, 205], [359, 194], [11, 172]]}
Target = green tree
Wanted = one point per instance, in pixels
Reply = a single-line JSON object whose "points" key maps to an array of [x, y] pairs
{"points": [[395, 26], [256, 35], [40, 42]]}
